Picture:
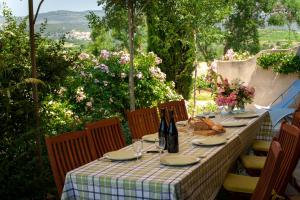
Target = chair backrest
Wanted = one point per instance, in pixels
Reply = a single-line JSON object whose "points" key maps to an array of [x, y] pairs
{"points": [[289, 138], [67, 152], [266, 182], [142, 122], [296, 118], [107, 135], [180, 112]]}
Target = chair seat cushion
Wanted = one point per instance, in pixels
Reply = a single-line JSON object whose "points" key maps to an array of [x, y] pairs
{"points": [[240, 183], [253, 162], [261, 145]]}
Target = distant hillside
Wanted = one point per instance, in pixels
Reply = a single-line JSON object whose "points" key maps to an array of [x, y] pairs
{"points": [[62, 21], [65, 21]]}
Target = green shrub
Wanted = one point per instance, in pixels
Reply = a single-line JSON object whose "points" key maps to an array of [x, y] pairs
{"points": [[280, 62]]}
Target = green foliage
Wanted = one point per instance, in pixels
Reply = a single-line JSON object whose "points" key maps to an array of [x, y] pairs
{"points": [[281, 62], [207, 16], [243, 23], [19, 173], [111, 31], [170, 36], [277, 19]]}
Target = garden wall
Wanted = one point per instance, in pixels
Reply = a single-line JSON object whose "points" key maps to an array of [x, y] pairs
{"points": [[268, 85]]}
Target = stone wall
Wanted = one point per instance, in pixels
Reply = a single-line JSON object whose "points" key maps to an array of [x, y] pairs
{"points": [[268, 85]]}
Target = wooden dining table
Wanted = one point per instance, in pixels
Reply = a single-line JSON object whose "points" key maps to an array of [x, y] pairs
{"points": [[147, 178]]}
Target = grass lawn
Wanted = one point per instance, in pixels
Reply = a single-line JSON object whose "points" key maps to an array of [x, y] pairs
{"points": [[280, 38]]}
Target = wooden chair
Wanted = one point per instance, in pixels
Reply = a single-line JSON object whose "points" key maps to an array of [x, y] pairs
{"points": [[289, 138], [107, 135], [67, 152], [180, 112], [260, 188], [142, 122], [262, 147], [254, 164]]}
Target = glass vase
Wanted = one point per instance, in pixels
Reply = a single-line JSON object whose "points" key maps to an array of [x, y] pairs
{"points": [[241, 107], [229, 109]]}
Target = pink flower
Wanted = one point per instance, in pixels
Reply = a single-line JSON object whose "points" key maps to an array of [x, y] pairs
{"points": [[125, 58], [104, 54], [158, 60], [229, 55], [214, 66], [83, 56]]}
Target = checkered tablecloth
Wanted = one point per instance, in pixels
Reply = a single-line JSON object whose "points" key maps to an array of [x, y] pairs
{"points": [[148, 179]]}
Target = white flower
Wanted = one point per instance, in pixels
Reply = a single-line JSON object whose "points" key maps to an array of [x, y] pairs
{"points": [[80, 94], [89, 104], [105, 83], [123, 75], [96, 80], [139, 75], [111, 100], [82, 73]]}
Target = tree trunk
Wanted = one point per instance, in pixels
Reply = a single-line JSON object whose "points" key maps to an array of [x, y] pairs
{"points": [[131, 47], [195, 78], [34, 85]]}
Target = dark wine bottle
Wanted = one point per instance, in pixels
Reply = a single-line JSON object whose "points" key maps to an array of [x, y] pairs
{"points": [[173, 146], [163, 127]]}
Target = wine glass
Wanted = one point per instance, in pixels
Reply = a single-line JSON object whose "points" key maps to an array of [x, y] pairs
{"points": [[206, 112], [160, 144], [137, 147], [190, 128]]}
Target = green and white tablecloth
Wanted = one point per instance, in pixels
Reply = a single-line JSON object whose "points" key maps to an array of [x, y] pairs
{"points": [[148, 179]]}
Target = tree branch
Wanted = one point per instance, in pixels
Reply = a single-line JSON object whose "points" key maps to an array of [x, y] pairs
{"points": [[37, 11], [141, 10]]}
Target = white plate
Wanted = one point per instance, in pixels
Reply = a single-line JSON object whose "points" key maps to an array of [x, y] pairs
{"points": [[233, 124], [178, 160], [121, 155], [246, 115], [209, 141], [150, 137]]}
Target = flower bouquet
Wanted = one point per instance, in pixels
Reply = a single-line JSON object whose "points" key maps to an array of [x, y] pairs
{"points": [[234, 94]]}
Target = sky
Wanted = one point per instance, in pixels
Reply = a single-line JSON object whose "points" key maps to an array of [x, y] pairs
{"points": [[20, 7]]}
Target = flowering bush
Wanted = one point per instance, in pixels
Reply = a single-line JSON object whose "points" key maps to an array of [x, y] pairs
{"points": [[231, 55], [98, 85], [234, 93]]}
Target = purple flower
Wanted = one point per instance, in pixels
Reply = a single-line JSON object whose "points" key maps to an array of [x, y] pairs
{"points": [[104, 68]]}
